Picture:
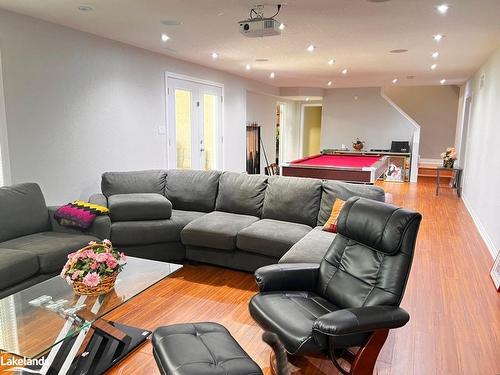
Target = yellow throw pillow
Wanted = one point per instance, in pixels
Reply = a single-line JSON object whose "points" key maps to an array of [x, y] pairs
{"points": [[331, 224]]}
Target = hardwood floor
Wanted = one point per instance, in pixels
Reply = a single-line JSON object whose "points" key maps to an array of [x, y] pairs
{"points": [[454, 307], [455, 310]]}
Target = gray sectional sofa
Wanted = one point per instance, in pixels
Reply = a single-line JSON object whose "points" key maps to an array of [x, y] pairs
{"points": [[33, 246], [229, 219]]}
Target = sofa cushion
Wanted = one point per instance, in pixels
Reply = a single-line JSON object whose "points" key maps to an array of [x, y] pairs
{"points": [[152, 181], [271, 237], [343, 190], [192, 190], [241, 193], [22, 211], [51, 248], [311, 248], [217, 230], [144, 206], [128, 233], [16, 266], [292, 199]]}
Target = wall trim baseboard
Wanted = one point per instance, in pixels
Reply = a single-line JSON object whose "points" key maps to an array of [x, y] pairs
{"points": [[480, 228], [430, 161]]}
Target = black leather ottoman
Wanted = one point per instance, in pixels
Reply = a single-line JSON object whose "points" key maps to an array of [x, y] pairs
{"points": [[200, 349]]}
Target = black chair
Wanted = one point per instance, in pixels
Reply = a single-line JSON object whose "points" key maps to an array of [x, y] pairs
{"points": [[352, 298]]}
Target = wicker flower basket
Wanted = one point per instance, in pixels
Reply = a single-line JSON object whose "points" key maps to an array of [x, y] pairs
{"points": [[106, 284]]}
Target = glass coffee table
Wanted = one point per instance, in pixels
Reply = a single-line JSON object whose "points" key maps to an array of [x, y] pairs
{"points": [[63, 333]]}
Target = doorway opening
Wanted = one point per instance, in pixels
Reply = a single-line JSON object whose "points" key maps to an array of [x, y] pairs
{"points": [[194, 123], [465, 131], [280, 133], [311, 129]]}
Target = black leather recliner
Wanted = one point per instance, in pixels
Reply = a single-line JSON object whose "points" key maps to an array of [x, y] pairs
{"points": [[352, 298]]}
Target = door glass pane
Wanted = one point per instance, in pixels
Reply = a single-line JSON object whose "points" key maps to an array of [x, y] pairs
{"points": [[183, 128], [209, 129]]}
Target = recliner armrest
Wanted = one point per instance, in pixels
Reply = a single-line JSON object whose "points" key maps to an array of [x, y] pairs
{"points": [[287, 276], [361, 319]]}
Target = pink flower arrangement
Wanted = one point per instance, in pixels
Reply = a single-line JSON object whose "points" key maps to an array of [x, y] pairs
{"points": [[92, 279], [91, 265]]}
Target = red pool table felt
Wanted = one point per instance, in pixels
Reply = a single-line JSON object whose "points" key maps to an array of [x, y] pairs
{"points": [[355, 161]]}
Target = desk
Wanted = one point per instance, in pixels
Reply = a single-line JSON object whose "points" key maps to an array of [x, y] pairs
{"points": [[455, 182]]}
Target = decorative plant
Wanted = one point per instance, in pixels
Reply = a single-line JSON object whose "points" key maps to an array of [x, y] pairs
{"points": [[93, 263], [449, 157]]}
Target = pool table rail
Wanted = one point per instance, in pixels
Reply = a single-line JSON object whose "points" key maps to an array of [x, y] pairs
{"points": [[365, 175]]}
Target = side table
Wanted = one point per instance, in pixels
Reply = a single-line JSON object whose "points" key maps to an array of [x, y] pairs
{"points": [[456, 180]]}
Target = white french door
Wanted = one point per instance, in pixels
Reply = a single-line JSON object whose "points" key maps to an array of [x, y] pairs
{"points": [[194, 125]]}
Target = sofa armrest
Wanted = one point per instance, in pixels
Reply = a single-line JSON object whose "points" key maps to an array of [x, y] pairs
{"points": [[100, 228], [99, 199], [287, 276], [361, 319]]}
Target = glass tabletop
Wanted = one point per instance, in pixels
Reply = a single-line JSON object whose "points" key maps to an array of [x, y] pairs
{"points": [[35, 319]]}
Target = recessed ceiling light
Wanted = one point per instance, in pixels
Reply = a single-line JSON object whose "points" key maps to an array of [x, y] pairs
{"points": [[281, 26], [344, 71], [443, 8], [399, 50], [331, 62], [443, 81], [272, 75], [85, 8], [248, 67], [329, 83], [435, 55], [215, 55], [395, 80], [164, 37], [311, 47], [307, 99], [438, 37], [434, 66], [171, 22]]}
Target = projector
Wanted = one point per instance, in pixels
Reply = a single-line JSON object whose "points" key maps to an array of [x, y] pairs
{"points": [[259, 27]]}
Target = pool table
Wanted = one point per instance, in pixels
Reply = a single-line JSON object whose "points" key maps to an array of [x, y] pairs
{"points": [[365, 169]]}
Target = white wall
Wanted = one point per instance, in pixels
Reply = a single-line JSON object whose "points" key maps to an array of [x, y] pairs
{"points": [[363, 113], [78, 105], [434, 108], [4, 155], [261, 109], [482, 159]]}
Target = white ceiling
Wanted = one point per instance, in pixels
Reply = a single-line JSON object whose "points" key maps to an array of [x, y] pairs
{"points": [[359, 34]]}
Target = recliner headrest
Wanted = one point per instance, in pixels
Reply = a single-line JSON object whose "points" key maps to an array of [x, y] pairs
{"points": [[378, 225]]}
